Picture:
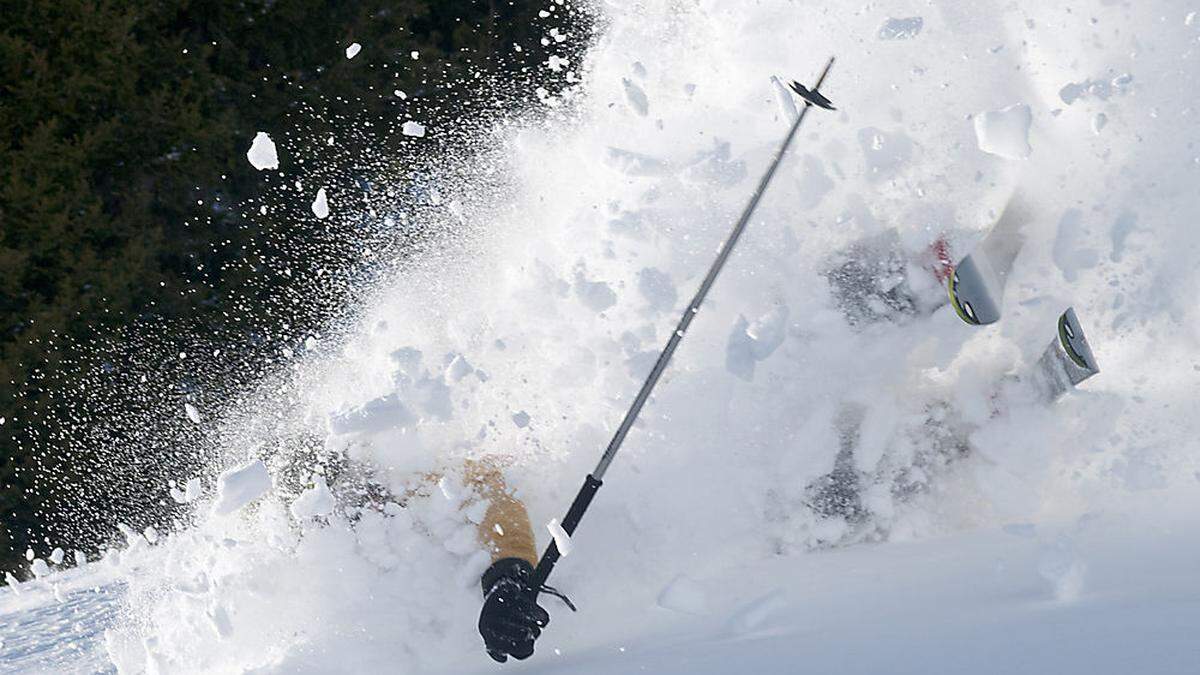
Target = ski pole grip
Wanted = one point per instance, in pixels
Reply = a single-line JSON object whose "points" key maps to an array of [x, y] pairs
{"points": [[574, 514]]}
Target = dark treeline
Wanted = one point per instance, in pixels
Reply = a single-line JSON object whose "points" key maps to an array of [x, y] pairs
{"points": [[123, 185]]}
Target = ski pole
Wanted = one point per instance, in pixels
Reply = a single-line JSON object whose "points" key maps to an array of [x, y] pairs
{"points": [[596, 478]]}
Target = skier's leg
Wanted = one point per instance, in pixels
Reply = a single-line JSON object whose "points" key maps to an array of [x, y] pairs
{"points": [[511, 619], [505, 529]]}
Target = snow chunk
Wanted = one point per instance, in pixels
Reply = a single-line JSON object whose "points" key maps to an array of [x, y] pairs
{"points": [[80, 558], [313, 502], [353, 50], [12, 583], [521, 419], [561, 539], [684, 595], [150, 534], [414, 129], [786, 100], [57, 555], [750, 343], [192, 413], [219, 620], [241, 485], [189, 494], [635, 97], [901, 29], [1098, 123], [381, 414], [458, 369], [657, 289], [262, 153], [595, 295], [1005, 132], [39, 568], [320, 205]]}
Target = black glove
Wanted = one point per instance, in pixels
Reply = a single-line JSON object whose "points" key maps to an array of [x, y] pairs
{"points": [[511, 618]]}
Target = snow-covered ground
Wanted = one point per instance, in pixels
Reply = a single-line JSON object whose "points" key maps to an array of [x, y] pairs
{"points": [[1001, 534]]}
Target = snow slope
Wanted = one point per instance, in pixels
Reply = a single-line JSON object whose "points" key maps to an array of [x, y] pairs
{"points": [[1062, 540]]}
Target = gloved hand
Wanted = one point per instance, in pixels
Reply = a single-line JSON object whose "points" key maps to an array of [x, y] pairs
{"points": [[511, 618]]}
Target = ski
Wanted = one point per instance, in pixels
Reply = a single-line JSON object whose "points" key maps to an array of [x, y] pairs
{"points": [[875, 279], [1066, 361]]}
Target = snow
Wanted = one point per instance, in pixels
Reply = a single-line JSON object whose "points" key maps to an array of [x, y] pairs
{"points": [[1005, 132], [414, 129], [320, 205], [241, 485], [39, 568], [262, 153], [636, 97], [192, 413], [353, 50], [561, 539], [684, 595], [188, 495], [57, 555], [313, 502], [993, 533], [786, 99], [901, 29]]}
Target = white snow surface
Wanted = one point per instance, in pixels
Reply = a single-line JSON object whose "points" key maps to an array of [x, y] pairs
{"points": [[262, 153], [1063, 539]]}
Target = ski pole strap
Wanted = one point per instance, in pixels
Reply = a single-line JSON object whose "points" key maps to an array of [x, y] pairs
{"points": [[574, 515]]}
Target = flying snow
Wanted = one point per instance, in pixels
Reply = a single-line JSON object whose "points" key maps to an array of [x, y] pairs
{"points": [[1005, 132], [320, 205], [313, 502], [192, 413], [353, 50], [241, 485], [262, 153], [415, 129]]}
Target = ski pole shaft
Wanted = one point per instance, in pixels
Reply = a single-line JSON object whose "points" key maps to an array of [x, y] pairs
{"points": [[596, 478]]}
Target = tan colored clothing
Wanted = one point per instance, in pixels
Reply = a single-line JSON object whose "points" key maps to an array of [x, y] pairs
{"points": [[505, 529]]}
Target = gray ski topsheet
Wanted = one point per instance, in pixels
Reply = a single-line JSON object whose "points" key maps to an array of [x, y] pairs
{"points": [[976, 286], [1066, 361]]}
